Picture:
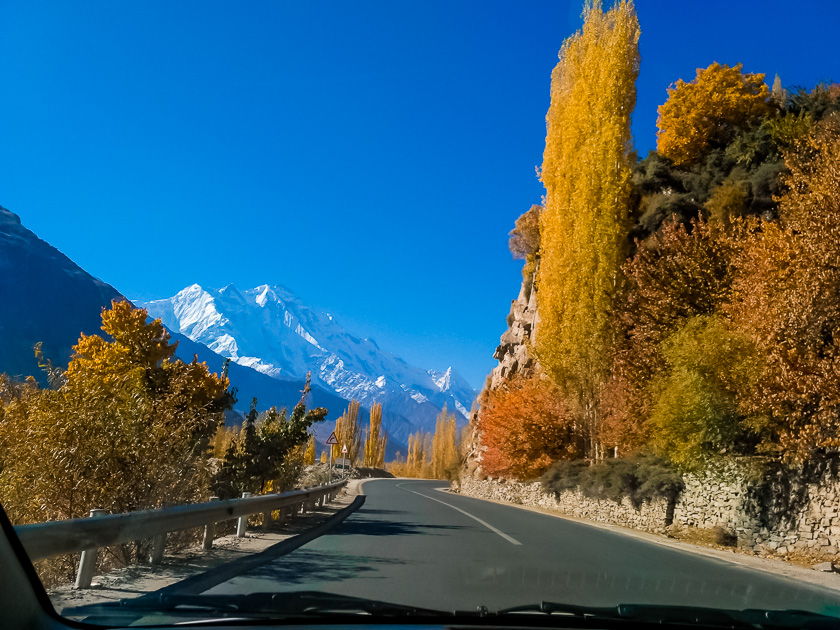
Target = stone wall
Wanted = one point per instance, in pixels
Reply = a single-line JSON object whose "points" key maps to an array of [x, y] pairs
{"points": [[650, 517], [776, 513]]}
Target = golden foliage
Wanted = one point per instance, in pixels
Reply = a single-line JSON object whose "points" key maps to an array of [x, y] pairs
{"points": [[309, 453], [224, 437], [788, 301], [129, 429], [375, 439], [445, 453], [695, 415], [432, 456], [586, 172], [683, 272], [348, 430], [727, 202], [711, 109]]}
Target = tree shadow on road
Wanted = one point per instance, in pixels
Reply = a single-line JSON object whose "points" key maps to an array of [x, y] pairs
{"points": [[374, 527], [306, 566]]}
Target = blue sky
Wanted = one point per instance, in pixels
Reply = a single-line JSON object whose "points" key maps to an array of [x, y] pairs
{"points": [[371, 156]]}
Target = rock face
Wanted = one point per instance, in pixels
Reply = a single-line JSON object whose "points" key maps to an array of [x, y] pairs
{"points": [[515, 358], [513, 351]]}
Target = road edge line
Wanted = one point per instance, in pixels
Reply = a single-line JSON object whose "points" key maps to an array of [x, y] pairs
{"points": [[495, 530]]}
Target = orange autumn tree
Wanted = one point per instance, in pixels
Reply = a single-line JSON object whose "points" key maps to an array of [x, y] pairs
{"points": [[788, 301], [525, 427], [709, 110]]}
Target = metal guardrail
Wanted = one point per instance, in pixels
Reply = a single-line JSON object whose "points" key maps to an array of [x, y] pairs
{"points": [[44, 540]]}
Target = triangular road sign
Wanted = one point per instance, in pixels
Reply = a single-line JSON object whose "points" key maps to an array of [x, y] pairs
{"points": [[332, 439]]}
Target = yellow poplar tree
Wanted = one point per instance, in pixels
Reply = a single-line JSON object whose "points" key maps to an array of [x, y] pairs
{"points": [[375, 440], [445, 458], [416, 461], [586, 173], [309, 453], [349, 433]]}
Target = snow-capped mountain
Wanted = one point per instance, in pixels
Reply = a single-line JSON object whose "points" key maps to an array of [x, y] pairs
{"points": [[269, 329], [45, 297]]}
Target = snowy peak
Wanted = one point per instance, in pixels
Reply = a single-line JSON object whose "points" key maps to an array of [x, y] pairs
{"points": [[442, 380], [269, 329]]}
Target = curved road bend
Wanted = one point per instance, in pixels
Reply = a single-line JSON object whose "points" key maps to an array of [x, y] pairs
{"points": [[413, 544]]}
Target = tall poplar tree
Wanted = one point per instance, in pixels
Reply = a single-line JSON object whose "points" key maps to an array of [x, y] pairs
{"points": [[375, 439], [348, 430], [586, 173]]}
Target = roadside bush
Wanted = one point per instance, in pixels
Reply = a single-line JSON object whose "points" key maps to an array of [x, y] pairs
{"points": [[641, 479]]}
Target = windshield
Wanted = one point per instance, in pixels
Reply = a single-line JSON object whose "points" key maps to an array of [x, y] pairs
{"points": [[290, 328]]}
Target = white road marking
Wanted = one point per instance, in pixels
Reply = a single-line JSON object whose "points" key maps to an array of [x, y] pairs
{"points": [[510, 539]]}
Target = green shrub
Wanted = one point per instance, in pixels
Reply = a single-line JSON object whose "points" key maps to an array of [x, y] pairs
{"points": [[640, 479]]}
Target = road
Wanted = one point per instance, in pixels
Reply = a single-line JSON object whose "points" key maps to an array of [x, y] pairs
{"points": [[412, 543]]}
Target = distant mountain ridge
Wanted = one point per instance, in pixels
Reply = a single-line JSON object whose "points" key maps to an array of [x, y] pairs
{"points": [[269, 329], [44, 296]]}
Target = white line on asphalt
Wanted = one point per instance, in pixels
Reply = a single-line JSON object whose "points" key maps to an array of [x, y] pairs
{"points": [[510, 539]]}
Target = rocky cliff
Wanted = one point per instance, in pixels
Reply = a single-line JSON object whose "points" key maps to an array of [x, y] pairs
{"points": [[516, 358]]}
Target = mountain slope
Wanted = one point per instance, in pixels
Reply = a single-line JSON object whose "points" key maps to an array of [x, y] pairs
{"points": [[44, 296], [270, 329]]}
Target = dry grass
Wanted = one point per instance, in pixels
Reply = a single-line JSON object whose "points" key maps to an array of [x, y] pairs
{"points": [[808, 557], [721, 538], [717, 537]]}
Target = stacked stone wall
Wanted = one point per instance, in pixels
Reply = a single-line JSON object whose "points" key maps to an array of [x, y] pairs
{"points": [[785, 513], [650, 516]]}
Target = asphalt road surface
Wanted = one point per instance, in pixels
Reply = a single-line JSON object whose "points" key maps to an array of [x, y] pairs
{"points": [[411, 543]]}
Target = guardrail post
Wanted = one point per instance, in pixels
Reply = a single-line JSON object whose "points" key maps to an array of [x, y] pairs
{"points": [[87, 563], [158, 545], [242, 523], [209, 531]]}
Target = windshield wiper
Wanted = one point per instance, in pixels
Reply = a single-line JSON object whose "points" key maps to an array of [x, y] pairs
{"points": [[284, 604], [314, 604], [687, 615]]}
